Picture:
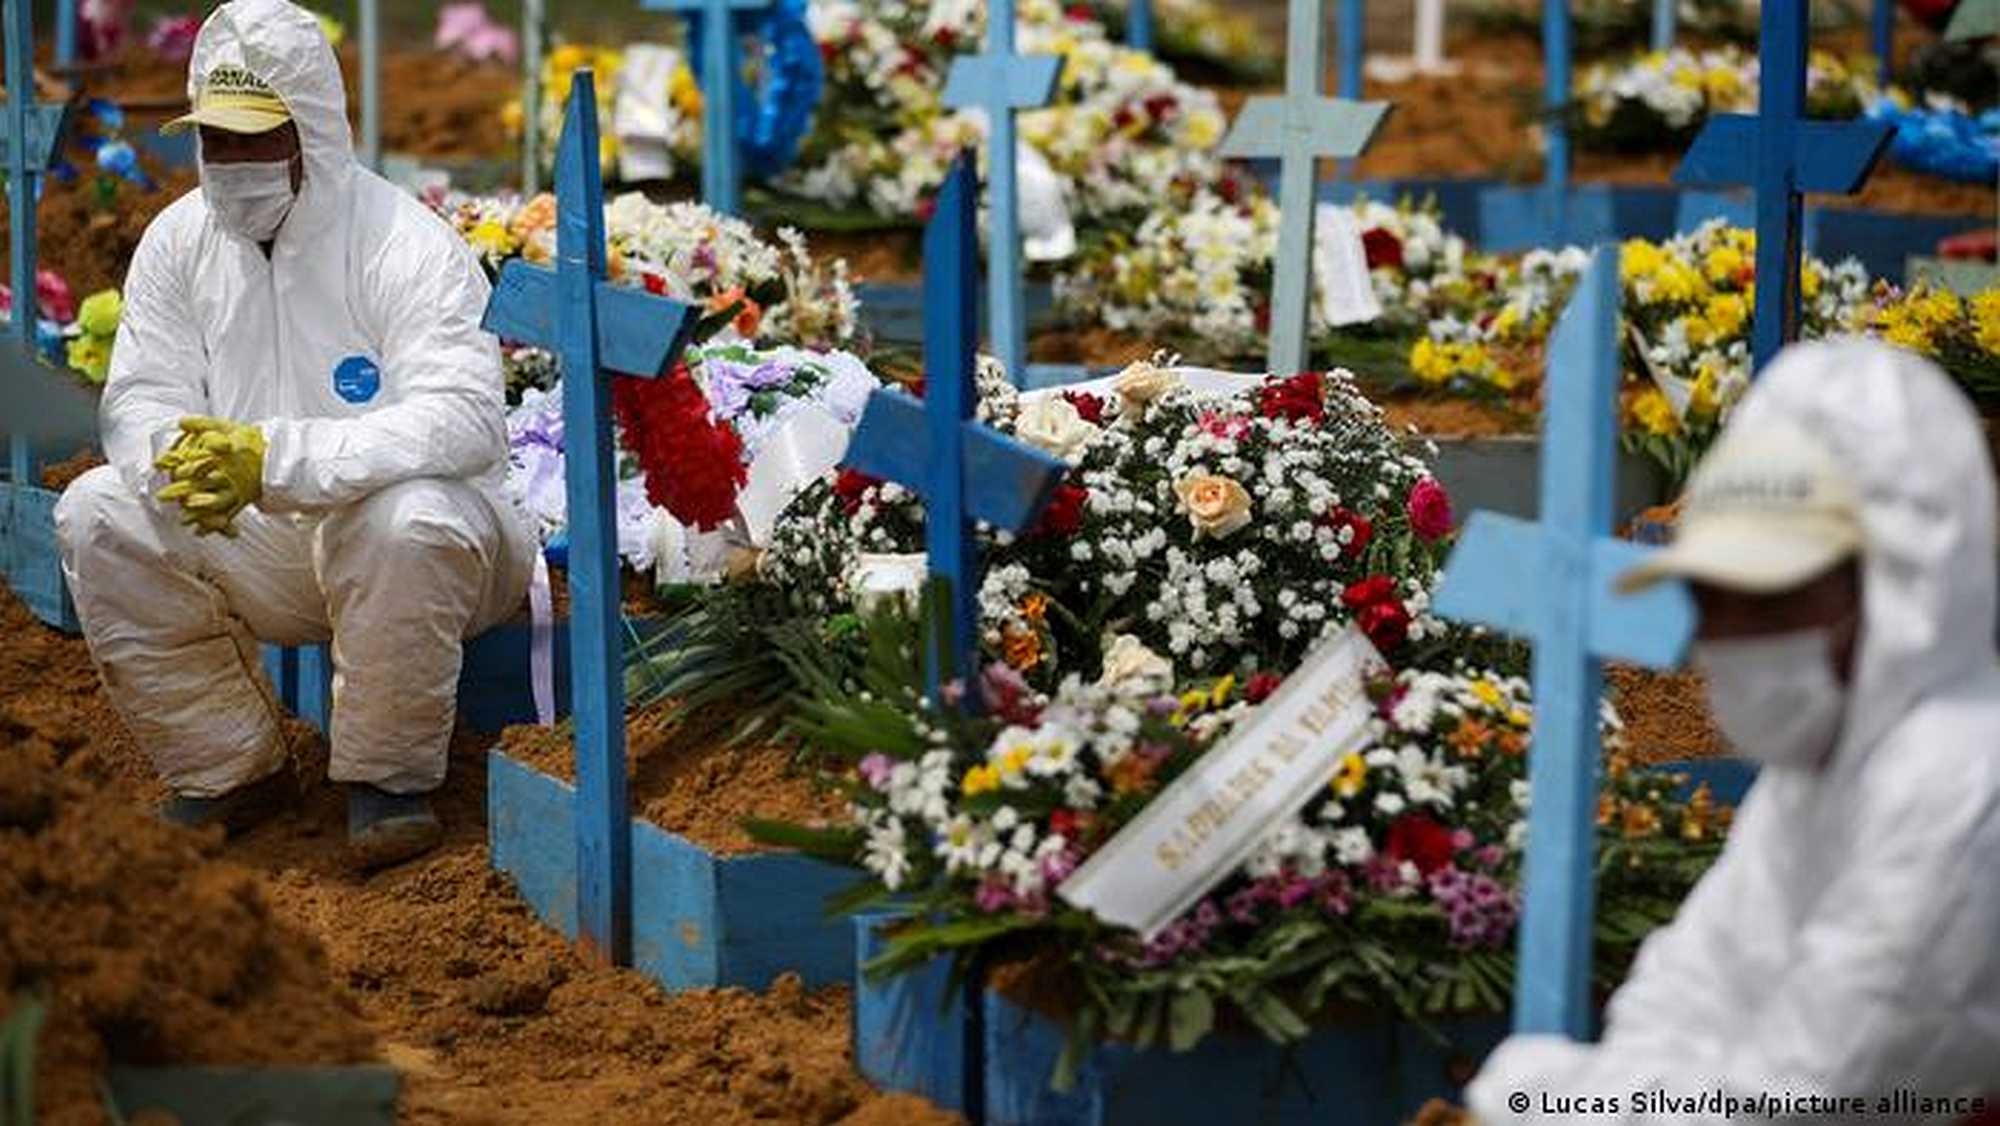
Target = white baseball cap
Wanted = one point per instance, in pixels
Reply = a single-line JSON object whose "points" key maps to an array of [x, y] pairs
{"points": [[1768, 509]]}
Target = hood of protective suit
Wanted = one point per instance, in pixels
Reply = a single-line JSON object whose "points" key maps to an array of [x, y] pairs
{"points": [[1913, 450], [282, 44]]}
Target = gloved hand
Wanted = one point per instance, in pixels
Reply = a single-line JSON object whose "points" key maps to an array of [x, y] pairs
{"points": [[216, 469]]}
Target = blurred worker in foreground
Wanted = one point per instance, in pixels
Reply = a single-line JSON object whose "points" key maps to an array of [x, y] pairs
{"points": [[1839, 541], [307, 440]]}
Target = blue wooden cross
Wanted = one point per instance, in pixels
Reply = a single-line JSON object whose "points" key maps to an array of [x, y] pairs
{"points": [[1350, 38], [1882, 37], [1298, 129], [1783, 155], [65, 32], [1139, 25], [1552, 582], [595, 328], [1001, 82], [370, 47], [965, 472], [28, 135], [1665, 13], [721, 168]]}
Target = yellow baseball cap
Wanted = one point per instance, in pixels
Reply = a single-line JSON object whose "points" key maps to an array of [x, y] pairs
{"points": [[1768, 510], [230, 97]]}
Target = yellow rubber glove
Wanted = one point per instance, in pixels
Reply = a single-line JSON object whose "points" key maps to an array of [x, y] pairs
{"points": [[216, 469]]}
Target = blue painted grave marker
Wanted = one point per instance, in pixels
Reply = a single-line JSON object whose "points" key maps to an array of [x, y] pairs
{"points": [[595, 328], [1882, 39], [1002, 82], [1139, 25], [65, 32], [965, 471], [721, 166], [1299, 128], [1552, 582], [1665, 13], [533, 23], [1783, 155], [370, 48], [1351, 44], [28, 135]]}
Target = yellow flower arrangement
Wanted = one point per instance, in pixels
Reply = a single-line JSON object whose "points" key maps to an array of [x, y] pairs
{"points": [[1438, 363]]}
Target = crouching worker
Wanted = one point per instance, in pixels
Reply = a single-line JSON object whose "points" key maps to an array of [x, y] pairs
{"points": [[1839, 541], [306, 435]]}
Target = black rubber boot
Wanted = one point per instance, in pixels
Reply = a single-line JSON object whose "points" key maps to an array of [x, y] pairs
{"points": [[238, 811], [385, 829]]}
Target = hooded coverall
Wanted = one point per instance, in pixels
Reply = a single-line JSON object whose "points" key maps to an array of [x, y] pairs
{"points": [[1847, 942], [356, 348]]}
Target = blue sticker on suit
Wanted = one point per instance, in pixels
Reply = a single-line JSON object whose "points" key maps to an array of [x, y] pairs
{"points": [[357, 379]]}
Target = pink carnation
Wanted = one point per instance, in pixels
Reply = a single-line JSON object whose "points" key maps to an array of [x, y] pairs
{"points": [[1430, 509]]}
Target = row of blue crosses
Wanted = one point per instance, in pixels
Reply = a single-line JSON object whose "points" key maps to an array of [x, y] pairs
{"points": [[1549, 582], [967, 473]]}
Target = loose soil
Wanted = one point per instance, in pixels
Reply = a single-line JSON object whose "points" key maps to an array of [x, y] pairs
{"points": [[1444, 417], [691, 783], [491, 1016], [57, 476], [1666, 715], [147, 947], [1477, 123]]}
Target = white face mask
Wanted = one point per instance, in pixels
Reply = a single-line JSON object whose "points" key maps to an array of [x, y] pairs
{"points": [[251, 199], [1775, 698]]}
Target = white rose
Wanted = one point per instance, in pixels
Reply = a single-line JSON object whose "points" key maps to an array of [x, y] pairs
{"points": [[1140, 383], [1051, 423], [1128, 663]]}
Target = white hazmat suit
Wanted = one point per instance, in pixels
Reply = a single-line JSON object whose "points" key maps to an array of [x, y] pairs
{"points": [[1847, 942], [383, 525]]}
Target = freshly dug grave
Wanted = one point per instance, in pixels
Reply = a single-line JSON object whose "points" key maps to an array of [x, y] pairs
{"points": [[58, 476], [491, 1016], [146, 947], [689, 782], [87, 238], [1666, 715], [1477, 123], [434, 104]]}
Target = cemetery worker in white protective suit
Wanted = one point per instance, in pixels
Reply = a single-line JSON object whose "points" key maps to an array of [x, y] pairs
{"points": [[1839, 541], [306, 435]]}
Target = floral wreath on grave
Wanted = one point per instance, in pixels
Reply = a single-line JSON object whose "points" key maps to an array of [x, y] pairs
{"points": [[1393, 893], [680, 101], [1656, 101], [1122, 127], [1959, 334], [778, 326], [773, 119], [1230, 527], [1686, 304], [1195, 271], [1199, 34]]}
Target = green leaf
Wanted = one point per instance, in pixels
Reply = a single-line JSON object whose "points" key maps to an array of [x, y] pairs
{"points": [[836, 844], [17, 1058], [1191, 1017]]}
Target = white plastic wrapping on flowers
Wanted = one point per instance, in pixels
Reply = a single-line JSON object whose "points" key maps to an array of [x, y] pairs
{"points": [[1843, 944], [355, 347], [643, 115]]}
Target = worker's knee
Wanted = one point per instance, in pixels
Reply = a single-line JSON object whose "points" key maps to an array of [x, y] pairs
{"points": [[423, 517], [98, 510]]}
